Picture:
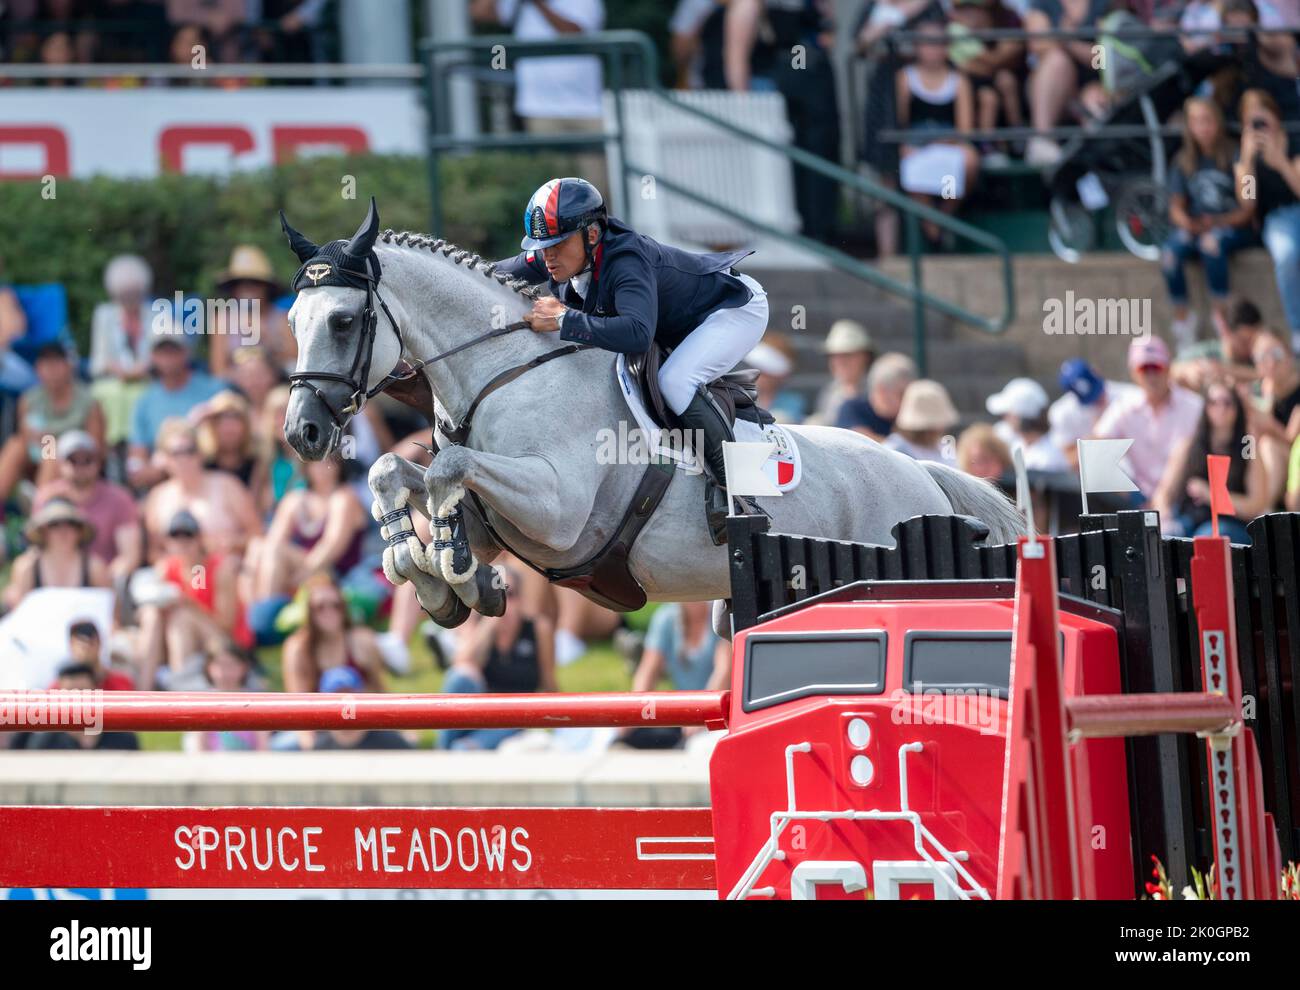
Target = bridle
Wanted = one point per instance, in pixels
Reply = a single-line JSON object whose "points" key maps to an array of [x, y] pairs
{"points": [[359, 373]]}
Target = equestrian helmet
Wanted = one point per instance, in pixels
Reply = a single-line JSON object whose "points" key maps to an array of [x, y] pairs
{"points": [[560, 208]]}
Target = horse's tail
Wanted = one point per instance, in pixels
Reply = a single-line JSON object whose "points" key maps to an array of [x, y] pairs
{"points": [[971, 496]]}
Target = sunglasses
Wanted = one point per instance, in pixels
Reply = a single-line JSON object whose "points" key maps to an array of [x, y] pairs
{"points": [[63, 524], [183, 534], [83, 460], [1151, 369]]}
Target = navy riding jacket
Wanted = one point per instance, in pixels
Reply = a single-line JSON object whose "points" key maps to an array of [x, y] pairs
{"points": [[640, 291]]}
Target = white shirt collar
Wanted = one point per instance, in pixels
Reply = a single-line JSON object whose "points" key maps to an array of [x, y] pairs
{"points": [[581, 283]]}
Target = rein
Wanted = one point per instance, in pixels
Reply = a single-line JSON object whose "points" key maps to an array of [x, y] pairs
{"points": [[359, 373]]}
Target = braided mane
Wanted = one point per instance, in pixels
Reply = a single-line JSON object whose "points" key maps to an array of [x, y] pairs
{"points": [[459, 256]]}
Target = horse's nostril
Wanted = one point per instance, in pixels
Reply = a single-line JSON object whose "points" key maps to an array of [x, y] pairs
{"points": [[310, 432]]}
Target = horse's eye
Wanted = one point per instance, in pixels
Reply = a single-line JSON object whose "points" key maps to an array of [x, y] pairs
{"points": [[342, 322]]}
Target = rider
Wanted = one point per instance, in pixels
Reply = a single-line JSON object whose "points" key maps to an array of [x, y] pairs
{"points": [[621, 291]]}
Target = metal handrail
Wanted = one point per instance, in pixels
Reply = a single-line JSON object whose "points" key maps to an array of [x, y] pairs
{"points": [[612, 46]]}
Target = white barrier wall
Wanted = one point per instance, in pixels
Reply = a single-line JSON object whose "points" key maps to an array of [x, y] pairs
{"points": [[140, 132]]}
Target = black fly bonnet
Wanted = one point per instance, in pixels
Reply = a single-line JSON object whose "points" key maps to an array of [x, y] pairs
{"points": [[350, 264]]}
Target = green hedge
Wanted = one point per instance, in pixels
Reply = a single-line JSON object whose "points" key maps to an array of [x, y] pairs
{"points": [[186, 225]]}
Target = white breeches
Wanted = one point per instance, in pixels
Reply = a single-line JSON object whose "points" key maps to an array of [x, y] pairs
{"points": [[713, 348]]}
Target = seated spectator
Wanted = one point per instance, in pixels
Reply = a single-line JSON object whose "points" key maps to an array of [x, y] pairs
{"points": [[86, 647], [873, 414], [317, 528], [222, 505], [119, 343], [177, 390], [16, 375], [76, 676], [59, 555], [222, 20], [509, 654], [1073, 417], [991, 67], [224, 431], [1278, 426], [1022, 410], [1230, 353], [1157, 418], [279, 469], [345, 680], [1268, 170], [932, 96], [193, 603], [328, 639], [1207, 221], [228, 668], [250, 279], [680, 645], [982, 453], [1062, 69], [774, 360], [59, 403], [1266, 60], [924, 419], [108, 507], [255, 375], [849, 353], [1184, 493]]}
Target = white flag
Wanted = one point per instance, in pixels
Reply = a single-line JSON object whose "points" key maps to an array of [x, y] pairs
{"points": [[1099, 467], [744, 463]]}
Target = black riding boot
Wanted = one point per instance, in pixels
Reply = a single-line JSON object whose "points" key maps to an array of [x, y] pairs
{"points": [[708, 424]]}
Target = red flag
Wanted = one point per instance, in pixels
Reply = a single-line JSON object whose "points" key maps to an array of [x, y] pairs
{"points": [[1220, 501]]}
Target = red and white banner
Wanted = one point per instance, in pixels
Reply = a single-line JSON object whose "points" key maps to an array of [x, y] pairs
{"points": [[138, 133], [420, 848]]}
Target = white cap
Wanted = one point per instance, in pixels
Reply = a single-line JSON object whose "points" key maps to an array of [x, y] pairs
{"points": [[1021, 397], [768, 360], [848, 337]]}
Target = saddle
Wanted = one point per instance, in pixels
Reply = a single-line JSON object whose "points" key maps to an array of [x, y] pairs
{"points": [[605, 578], [736, 392]]}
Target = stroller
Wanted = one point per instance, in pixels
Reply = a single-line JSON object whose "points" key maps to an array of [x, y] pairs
{"points": [[1126, 171]]}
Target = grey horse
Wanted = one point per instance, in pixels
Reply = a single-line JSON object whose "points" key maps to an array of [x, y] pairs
{"points": [[531, 456]]}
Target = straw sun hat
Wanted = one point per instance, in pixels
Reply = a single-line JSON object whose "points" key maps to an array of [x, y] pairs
{"points": [[926, 406], [57, 510]]}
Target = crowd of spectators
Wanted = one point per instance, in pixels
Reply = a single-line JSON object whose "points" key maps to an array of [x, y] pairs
{"points": [[83, 32], [944, 77], [1236, 395]]}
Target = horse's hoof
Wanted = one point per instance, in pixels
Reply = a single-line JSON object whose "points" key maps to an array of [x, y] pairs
{"points": [[451, 615], [491, 592]]}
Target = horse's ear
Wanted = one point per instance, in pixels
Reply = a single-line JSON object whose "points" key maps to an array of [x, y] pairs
{"points": [[302, 247], [364, 239]]}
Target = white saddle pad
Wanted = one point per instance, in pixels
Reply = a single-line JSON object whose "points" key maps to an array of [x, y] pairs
{"points": [[784, 468]]}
